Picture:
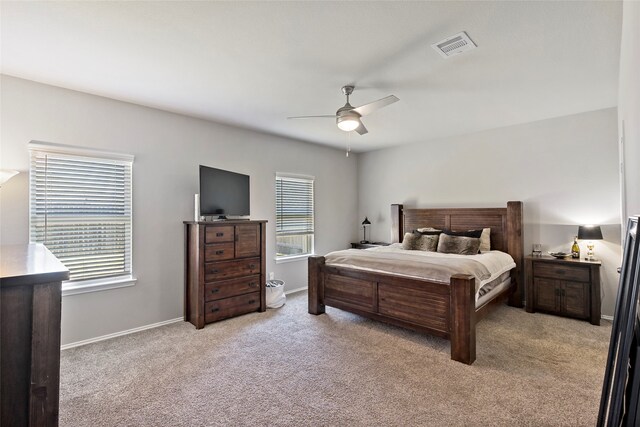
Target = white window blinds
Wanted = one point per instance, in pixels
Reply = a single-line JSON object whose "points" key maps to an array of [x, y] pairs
{"points": [[294, 216], [80, 208]]}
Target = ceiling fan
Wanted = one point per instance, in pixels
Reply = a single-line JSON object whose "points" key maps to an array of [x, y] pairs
{"points": [[348, 117]]}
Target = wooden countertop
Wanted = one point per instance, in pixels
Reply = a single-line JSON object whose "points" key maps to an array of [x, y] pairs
{"points": [[29, 264]]}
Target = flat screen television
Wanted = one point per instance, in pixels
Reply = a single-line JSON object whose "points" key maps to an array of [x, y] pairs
{"points": [[223, 193]]}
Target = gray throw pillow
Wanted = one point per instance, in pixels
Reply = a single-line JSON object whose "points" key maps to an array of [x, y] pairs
{"points": [[420, 242], [460, 245], [428, 242], [410, 241]]}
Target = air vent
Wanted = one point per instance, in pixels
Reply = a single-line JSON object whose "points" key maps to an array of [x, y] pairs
{"points": [[454, 45]]}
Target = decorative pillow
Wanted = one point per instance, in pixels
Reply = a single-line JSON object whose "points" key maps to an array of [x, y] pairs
{"points": [[460, 245], [420, 242], [468, 233], [411, 241], [428, 231], [428, 242], [485, 240]]}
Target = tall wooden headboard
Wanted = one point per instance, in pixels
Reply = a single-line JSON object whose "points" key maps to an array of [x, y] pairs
{"points": [[505, 224]]}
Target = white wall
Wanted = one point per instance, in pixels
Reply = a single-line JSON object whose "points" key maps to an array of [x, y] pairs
{"points": [[629, 103], [168, 149], [565, 170]]}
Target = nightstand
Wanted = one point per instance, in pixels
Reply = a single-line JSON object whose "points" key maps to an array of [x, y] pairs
{"points": [[564, 287], [368, 245]]}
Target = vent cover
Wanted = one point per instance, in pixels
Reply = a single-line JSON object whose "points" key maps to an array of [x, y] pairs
{"points": [[454, 45]]}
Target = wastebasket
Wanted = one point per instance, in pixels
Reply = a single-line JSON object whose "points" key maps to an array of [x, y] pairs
{"points": [[275, 293]]}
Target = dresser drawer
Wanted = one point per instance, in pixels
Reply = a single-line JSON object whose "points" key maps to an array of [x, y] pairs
{"points": [[229, 307], [218, 252], [218, 234], [230, 288], [561, 271], [230, 269]]}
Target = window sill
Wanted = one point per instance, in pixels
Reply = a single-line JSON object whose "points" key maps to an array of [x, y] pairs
{"points": [[293, 258], [96, 285]]}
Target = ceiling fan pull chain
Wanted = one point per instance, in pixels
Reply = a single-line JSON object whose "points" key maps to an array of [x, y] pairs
{"points": [[348, 143]]}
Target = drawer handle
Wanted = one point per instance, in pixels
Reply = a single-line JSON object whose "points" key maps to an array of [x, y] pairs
{"points": [[253, 284], [215, 270], [219, 234], [215, 291], [252, 266], [213, 310], [219, 252], [251, 301]]}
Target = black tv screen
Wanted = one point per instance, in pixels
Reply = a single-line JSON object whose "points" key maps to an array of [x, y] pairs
{"points": [[223, 193]]}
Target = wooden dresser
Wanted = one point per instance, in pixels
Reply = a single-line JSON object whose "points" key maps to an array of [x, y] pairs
{"points": [[30, 303], [565, 287], [224, 269]]}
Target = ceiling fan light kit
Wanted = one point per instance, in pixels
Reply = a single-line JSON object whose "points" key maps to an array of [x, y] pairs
{"points": [[348, 123], [346, 119]]}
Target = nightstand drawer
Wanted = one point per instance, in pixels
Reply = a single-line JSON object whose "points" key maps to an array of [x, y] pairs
{"points": [[560, 271]]}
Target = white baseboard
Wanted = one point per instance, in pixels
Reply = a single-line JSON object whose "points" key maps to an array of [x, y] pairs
{"points": [[119, 334], [293, 291], [142, 328]]}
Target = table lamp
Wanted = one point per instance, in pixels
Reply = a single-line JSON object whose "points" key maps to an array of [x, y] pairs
{"points": [[589, 233], [364, 229]]}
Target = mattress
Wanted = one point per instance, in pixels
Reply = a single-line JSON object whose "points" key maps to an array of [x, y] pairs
{"points": [[491, 269], [492, 288]]}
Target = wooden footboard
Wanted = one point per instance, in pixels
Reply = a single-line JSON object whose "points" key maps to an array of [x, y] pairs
{"points": [[447, 311]]}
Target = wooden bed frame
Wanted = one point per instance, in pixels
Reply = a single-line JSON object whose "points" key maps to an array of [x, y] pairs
{"points": [[444, 310]]}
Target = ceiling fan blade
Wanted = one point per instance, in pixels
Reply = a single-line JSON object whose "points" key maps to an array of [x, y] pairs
{"points": [[369, 108], [333, 116], [361, 129]]}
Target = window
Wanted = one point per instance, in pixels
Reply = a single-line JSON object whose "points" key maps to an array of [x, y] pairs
{"points": [[80, 209], [294, 216]]}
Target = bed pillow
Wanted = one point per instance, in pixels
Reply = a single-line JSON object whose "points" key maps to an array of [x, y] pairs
{"points": [[411, 241], [469, 233], [420, 242], [429, 231], [428, 242], [461, 245], [485, 240]]}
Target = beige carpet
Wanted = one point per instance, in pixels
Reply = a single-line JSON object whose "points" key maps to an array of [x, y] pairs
{"points": [[288, 368]]}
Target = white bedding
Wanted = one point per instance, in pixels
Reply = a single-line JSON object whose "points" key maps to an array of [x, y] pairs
{"points": [[496, 262]]}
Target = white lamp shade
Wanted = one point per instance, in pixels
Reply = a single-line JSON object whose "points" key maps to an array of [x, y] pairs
{"points": [[6, 175], [348, 123]]}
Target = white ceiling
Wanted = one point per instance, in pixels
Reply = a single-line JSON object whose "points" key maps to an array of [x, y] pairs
{"points": [[253, 64]]}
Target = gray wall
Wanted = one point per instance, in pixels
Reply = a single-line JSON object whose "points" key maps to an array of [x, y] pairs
{"points": [[565, 170], [629, 104], [168, 150]]}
